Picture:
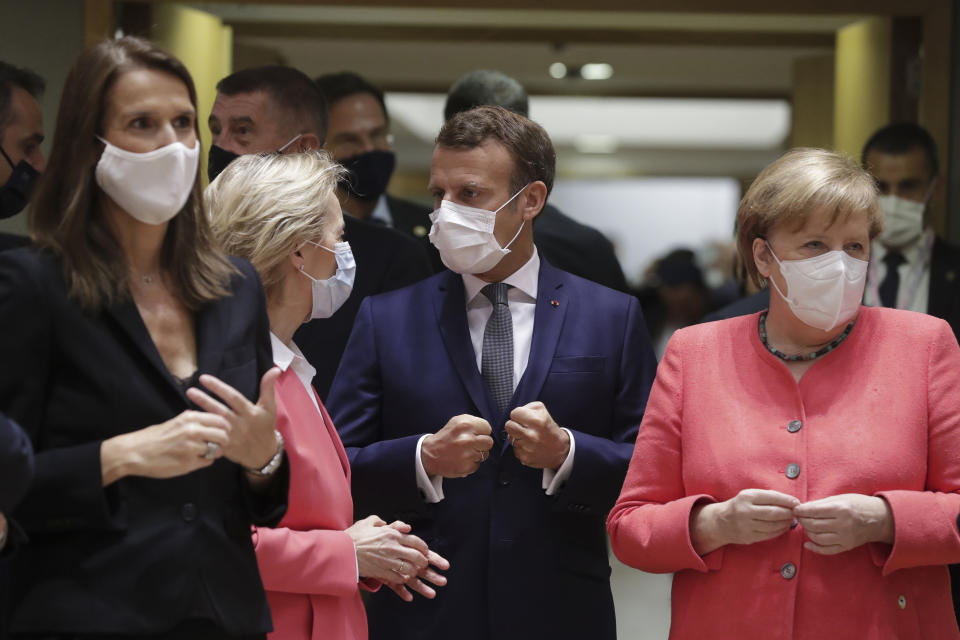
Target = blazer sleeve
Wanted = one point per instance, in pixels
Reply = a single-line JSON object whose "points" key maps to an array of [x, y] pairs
{"points": [[600, 463], [649, 526], [317, 562], [383, 471], [265, 508], [67, 492], [16, 463], [925, 522], [410, 263]]}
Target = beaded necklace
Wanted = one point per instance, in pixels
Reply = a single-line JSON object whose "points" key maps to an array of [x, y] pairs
{"points": [[810, 356]]}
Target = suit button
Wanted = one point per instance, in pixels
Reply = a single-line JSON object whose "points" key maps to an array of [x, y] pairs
{"points": [[902, 602], [788, 571], [188, 512], [793, 470], [794, 425], [504, 478]]}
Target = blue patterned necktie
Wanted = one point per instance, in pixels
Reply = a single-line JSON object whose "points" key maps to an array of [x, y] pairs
{"points": [[496, 364]]}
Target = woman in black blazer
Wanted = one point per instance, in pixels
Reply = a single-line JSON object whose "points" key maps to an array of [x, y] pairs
{"points": [[146, 486]]}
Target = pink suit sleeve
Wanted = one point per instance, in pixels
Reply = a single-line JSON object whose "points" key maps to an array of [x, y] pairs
{"points": [[925, 522], [649, 526], [319, 561]]}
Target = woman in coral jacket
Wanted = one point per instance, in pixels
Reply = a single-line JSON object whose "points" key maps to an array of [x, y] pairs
{"points": [[798, 468], [281, 213]]}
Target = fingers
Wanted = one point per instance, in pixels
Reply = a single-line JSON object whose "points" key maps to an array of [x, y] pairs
{"points": [[770, 498], [531, 414], [819, 525], [267, 399], [516, 430], [825, 550], [417, 585], [434, 577], [771, 514], [233, 398], [438, 561], [209, 404], [414, 542]]}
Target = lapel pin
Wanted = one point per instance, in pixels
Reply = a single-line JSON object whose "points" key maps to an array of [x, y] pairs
{"points": [[555, 303]]}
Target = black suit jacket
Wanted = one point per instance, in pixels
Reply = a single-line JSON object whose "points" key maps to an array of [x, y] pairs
{"points": [[16, 463], [12, 241], [577, 248], [386, 260], [141, 555], [413, 219], [944, 301]]}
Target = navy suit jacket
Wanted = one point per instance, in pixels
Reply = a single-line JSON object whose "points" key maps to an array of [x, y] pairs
{"points": [[16, 463], [521, 560]]}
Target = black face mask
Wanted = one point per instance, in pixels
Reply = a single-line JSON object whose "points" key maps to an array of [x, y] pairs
{"points": [[15, 194], [369, 174], [217, 161]]}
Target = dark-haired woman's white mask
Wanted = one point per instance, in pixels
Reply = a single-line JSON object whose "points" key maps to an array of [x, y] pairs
{"points": [[153, 186]]}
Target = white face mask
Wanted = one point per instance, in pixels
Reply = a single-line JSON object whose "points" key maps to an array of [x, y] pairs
{"points": [[903, 218], [826, 290], [152, 187], [464, 236], [330, 294]]}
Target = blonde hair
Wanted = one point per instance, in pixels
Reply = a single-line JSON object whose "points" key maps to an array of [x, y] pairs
{"points": [[796, 185], [262, 207]]}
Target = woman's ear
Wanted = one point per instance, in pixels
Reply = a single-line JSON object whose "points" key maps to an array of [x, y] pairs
{"points": [[296, 258], [762, 257]]}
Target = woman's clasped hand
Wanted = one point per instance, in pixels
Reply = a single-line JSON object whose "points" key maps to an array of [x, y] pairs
{"points": [[832, 525], [388, 553]]}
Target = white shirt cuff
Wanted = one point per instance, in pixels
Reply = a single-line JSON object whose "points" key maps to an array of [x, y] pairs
{"points": [[554, 479], [430, 488], [356, 561]]}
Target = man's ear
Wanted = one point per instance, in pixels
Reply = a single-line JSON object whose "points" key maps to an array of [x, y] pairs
{"points": [[308, 142], [532, 199]]}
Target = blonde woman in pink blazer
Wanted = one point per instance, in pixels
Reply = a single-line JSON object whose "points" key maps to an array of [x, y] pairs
{"points": [[281, 213], [798, 469]]}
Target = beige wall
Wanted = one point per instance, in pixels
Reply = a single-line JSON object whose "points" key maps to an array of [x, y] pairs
{"points": [[862, 98]]}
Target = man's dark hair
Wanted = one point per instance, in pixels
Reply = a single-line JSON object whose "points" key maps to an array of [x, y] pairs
{"points": [[10, 77], [337, 86], [291, 91], [482, 87], [525, 140], [899, 138]]}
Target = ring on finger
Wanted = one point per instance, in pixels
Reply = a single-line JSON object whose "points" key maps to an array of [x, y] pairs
{"points": [[211, 452]]}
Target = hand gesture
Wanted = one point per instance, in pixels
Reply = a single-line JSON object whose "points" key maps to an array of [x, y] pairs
{"points": [[753, 515], [252, 442], [458, 448], [390, 554], [537, 440], [187, 442], [843, 522]]}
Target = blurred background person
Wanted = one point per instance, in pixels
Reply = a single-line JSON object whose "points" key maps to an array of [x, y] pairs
{"points": [[567, 244], [359, 139], [21, 132], [800, 454], [911, 268], [281, 213], [674, 296], [260, 111], [140, 512]]}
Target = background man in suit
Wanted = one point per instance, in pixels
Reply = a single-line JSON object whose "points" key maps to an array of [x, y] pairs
{"points": [[359, 139], [21, 132], [567, 244], [16, 470], [910, 268], [495, 407], [272, 108]]}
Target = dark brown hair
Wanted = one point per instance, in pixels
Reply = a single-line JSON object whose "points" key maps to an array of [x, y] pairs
{"points": [[66, 213], [528, 144]]}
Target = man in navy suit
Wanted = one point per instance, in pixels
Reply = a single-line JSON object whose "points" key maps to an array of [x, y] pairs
{"points": [[494, 407], [16, 470]]}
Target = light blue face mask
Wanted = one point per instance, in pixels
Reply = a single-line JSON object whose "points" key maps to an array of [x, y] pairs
{"points": [[330, 294]]}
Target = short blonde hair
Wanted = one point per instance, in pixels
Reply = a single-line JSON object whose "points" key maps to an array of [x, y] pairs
{"points": [[796, 185], [262, 207]]}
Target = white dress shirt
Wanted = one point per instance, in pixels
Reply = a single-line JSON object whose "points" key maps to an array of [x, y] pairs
{"points": [[381, 212], [913, 293], [522, 298]]}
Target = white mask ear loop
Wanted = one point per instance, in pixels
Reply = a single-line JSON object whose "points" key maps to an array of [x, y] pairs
{"points": [[779, 264], [517, 234], [292, 140]]}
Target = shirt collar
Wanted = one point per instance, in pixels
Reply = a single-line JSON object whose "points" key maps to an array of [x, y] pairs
{"points": [[290, 356], [912, 253], [523, 279], [382, 211]]}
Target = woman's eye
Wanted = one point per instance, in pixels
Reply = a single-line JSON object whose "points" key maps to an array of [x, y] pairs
{"points": [[183, 122], [140, 123]]}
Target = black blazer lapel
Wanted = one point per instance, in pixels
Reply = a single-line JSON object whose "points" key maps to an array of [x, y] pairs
{"points": [[943, 281], [127, 317], [210, 329], [548, 320], [451, 311]]}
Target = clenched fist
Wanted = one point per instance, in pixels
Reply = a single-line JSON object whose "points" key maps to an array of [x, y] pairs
{"points": [[458, 449], [537, 440]]}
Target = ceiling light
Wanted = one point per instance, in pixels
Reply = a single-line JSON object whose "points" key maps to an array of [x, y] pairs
{"points": [[596, 71], [558, 70]]}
